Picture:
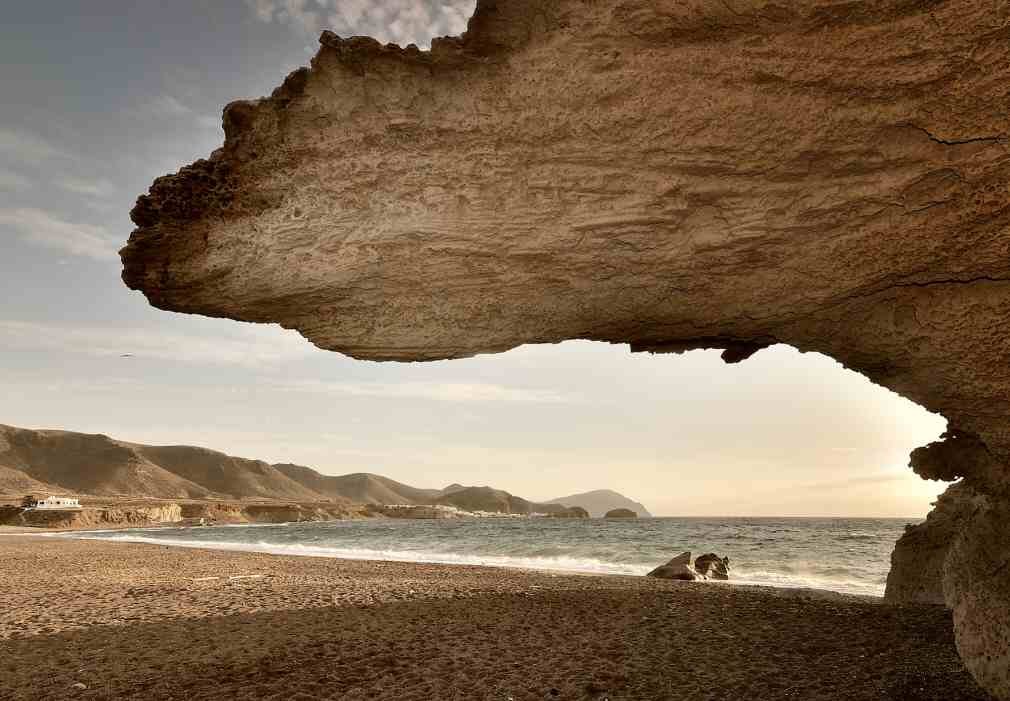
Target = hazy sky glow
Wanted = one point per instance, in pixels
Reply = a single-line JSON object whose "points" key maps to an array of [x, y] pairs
{"points": [[101, 99]]}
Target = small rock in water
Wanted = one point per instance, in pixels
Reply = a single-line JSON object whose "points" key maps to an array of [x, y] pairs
{"points": [[80, 686]]}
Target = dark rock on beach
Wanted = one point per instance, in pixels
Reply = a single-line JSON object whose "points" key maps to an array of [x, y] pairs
{"points": [[711, 566]]}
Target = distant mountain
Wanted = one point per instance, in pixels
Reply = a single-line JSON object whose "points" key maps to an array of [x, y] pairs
{"points": [[359, 487], [84, 463], [600, 501], [97, 465], [310, 479], [493, 500], [224, 474], [16, 482]]}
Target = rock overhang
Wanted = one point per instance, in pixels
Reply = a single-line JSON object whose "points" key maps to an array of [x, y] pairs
{"points": [[713, 175], [705, 174]]}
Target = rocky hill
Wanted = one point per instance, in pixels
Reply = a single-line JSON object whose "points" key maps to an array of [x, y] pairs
{"points": [[17, 482], [490, 499], [223, 474], [600, 501], [359, 487], [87, 464], [140, 513], [96, 465]]}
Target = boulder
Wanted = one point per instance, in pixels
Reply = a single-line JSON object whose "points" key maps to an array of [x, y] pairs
{"points": [[683, 559], [711, 566], [677, 568]]}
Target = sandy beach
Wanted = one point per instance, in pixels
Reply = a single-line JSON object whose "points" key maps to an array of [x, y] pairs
{"points": [[99, 620]]}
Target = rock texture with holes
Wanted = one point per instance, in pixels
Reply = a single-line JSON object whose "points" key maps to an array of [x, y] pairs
{"points": [[919, 559], [705, 174], [976, 585]]}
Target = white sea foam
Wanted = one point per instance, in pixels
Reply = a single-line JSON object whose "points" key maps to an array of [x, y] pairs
{"points": [[806, 581], [555, 564], [809, 554]]}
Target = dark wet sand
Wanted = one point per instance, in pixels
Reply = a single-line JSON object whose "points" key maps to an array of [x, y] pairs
{"points": [[133, 621]]}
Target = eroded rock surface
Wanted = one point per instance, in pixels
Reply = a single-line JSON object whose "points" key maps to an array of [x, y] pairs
{"points": [[976, 585], [920, 556], [706, 174]]}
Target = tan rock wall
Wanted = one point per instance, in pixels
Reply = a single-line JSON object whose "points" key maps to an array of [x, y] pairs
{"points": [[920, 555]]}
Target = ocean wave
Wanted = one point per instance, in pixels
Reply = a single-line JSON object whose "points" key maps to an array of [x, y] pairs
{"points": [[859, 536], [845, 585], [557, 564], [835, 579]]}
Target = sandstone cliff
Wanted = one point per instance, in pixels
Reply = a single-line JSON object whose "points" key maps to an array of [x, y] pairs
{"points": [[705, 174], [187, 513], [99, 517], [919, 559]]}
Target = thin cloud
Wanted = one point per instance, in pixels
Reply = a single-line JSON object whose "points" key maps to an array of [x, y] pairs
{"points": [[170, 106], [92, 188], [40, 228], [858, 481], [208, 121], [27, 147], [240, 345], [10, 180], [304, 16], [430, 391], [166, 104], [398, 21]]}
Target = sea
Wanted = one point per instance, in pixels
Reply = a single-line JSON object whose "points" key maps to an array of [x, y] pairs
{"points": [[848, 555]]}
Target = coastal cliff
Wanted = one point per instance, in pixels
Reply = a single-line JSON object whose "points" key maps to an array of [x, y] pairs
{"points": [[193, 513], [91, 517]]}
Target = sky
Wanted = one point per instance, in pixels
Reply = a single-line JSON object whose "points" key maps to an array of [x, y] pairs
{"points": [[100, 98]]}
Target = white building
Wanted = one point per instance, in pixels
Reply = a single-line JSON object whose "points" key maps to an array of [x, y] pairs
{"points": [[51, 502]]}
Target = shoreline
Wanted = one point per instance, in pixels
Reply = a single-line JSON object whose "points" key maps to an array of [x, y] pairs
{"points": [[301, 550], [151, 622]]}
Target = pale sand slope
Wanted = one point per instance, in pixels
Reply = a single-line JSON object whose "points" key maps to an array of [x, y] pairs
{"points": [[131, 622]]}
